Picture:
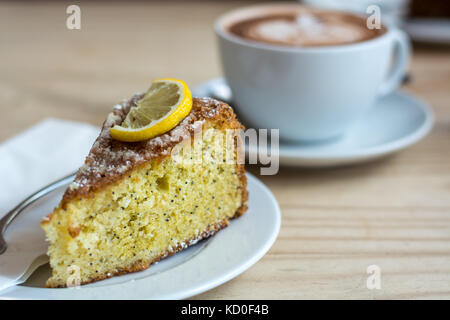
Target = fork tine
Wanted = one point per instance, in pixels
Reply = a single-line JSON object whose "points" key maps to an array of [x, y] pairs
{"points": [[3, 245], [10, 216]]}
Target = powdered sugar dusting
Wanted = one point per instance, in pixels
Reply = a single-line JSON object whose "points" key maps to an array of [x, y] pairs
{"points": [[109, 159]]}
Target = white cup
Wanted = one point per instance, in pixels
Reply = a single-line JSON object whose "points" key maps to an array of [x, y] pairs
{"points": [[311, 93]]}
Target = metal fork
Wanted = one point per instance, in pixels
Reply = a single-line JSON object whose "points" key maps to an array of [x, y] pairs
{"points": [[11, 215]]}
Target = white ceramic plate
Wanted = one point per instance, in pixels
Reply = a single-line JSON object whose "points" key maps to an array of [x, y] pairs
{"points": [[192, 271], [394, 123]]}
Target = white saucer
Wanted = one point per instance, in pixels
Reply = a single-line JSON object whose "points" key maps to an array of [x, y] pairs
{"points": [[197, 269], [394, 123], [428, 30]]}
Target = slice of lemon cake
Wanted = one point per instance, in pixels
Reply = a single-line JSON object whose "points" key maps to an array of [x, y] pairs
{"points": [[134, 203]]}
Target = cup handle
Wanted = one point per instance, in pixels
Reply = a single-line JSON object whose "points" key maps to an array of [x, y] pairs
{"points": [[402, 48]]}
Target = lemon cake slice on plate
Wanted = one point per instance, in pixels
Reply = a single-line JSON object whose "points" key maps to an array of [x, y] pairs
{"points": [[155, 181]]}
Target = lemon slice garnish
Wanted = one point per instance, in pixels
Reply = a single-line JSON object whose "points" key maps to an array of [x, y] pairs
{"points": [[164, 105]]}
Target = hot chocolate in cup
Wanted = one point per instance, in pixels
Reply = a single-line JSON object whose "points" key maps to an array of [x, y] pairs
{"points": [[305, 27], [309, 72]]}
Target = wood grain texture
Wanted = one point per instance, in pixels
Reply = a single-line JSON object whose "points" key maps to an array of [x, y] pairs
{"points": [[394, 212]]}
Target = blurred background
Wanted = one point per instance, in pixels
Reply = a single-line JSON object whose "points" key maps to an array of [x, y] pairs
{"points": [[47, 70]]}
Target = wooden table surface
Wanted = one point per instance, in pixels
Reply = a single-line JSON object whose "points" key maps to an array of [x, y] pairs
{"points": [[394, 213]]}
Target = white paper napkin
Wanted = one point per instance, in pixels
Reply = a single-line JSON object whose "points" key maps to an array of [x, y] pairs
{"points": [[42, 154]]}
